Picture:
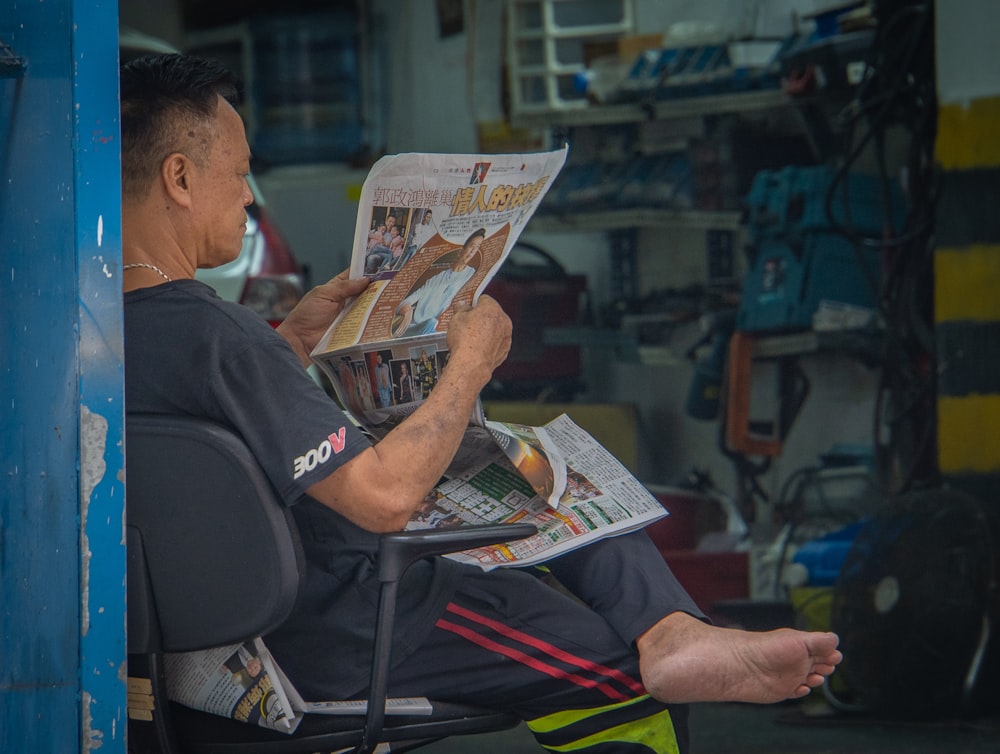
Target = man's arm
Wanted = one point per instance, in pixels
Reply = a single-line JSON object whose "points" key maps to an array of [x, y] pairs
{"points": [[309, 320], [381, 487]]}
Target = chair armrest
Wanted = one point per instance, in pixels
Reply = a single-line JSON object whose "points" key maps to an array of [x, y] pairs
{"points": [[398, 550]]}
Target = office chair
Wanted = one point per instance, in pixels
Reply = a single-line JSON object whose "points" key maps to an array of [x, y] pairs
{"points": [[214, 559]]}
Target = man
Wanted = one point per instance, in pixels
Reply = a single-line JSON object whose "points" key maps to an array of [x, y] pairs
{"points": [[418, 313], [421, 234], [383, 379], [609, 672]]}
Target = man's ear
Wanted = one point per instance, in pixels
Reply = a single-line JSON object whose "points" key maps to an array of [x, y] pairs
{"points": [[175, 172]]}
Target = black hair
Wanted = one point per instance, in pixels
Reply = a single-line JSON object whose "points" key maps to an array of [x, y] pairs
{"points": [[479, 232], [162, 98]]}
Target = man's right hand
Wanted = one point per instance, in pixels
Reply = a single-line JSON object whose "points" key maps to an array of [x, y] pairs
{"points": [[482, 331], [309, 320]]}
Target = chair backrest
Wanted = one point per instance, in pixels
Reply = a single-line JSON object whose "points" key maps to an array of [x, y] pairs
{"points": [[213, 555]]}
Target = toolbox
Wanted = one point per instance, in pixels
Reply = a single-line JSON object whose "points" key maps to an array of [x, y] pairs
{"points": [[798, 258]]}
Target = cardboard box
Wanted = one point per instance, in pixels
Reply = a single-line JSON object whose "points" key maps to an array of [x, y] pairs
{"points": [[629, 47], [614, 425]]}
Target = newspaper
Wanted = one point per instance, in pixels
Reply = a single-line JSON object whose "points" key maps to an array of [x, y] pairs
{"points": [[432, 231], [591, 495], [244, 683]]}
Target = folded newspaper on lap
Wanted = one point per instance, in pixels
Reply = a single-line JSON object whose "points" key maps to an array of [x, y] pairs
{"points": [[594, 495], [244, 683]]}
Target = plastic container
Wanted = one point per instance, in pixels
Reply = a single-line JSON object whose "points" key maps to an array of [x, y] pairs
{"points": [[824, 557]]}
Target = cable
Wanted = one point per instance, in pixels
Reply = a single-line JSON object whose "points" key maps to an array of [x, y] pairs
{"points": [[898, 89]]}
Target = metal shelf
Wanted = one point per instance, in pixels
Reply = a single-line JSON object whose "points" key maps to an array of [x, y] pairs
{"points": [[606, 115], [625, 219]]}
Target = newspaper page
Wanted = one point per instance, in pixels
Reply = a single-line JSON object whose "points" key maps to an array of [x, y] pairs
{"points": [[239, 681], [432, 231], [601, 498], [244, 683]]}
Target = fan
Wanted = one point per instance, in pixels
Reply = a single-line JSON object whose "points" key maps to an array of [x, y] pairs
{"points": [[915, 606]]}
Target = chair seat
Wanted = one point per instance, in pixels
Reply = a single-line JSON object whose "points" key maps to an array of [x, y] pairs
{"points": [[200, 732]]}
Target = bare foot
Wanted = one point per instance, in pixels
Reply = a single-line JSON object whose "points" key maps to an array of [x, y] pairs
{"points": [[682, 659]]}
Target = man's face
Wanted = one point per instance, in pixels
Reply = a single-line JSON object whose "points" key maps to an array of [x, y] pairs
{"points": [[471, 248], [221, 192]]}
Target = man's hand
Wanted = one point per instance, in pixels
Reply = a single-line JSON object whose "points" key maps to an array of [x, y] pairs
{"points": [[309, 320], [410, 460], [482, 331]]}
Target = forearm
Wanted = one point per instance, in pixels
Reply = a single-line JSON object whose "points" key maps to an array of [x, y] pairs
{"points": [[381, 488], [426, 442]]}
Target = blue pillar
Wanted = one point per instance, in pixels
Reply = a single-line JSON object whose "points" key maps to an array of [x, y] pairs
{"points": [[62, 553]]}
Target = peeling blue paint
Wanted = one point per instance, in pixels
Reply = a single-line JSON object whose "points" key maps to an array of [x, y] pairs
{"points": [[62, 554]]}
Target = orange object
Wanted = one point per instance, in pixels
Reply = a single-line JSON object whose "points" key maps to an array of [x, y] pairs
{"points": [[739, 436]]}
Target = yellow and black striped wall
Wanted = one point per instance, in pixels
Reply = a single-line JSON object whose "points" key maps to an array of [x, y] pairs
{"points": [[967, 294]]}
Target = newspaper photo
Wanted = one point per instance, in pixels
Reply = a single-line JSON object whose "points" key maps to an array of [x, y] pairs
{"points": [[432, 231], [599, 497]]}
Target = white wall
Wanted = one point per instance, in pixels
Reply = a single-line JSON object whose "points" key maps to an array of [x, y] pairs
{"points": [[967, 64]]}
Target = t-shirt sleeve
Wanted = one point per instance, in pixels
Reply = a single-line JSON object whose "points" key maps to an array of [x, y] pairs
{"points": [[296, 431]]}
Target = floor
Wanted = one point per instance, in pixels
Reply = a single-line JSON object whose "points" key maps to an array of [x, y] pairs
{"points": [[782, 729]]}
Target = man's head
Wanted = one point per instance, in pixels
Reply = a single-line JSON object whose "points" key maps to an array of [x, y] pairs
{"points": [[184, 147], [168, 103], [471, 247]]}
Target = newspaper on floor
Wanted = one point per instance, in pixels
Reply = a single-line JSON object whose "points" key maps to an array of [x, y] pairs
{"points": [[244, 683]]}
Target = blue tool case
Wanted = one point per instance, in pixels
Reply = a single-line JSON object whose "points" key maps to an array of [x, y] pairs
{"points": [[798, 258]]}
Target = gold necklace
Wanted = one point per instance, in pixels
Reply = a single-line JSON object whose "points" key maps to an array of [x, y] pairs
{"points": [[152, 267]]}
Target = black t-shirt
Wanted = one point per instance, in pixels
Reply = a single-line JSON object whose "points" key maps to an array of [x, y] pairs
{"points": [[188, 352]]}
